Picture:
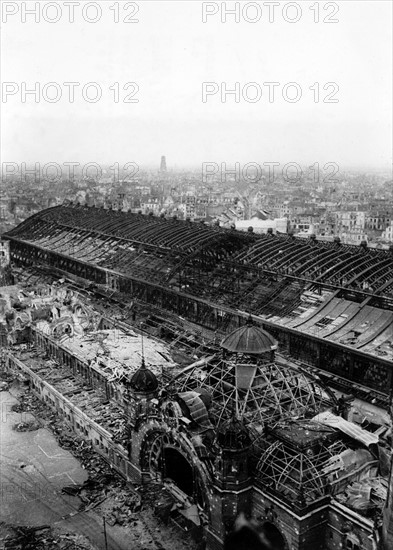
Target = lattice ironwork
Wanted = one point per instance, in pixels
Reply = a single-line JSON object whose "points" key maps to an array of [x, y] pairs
{"points": [[257, 392], [301, 476], [120, 241]]}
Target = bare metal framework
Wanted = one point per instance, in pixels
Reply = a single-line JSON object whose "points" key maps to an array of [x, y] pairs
{"points": [[311, 291], [300, 476], [263, 273], [258, 274], [257, 392], [267, 398]]}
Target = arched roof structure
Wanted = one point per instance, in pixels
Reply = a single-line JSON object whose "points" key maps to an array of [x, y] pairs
{"points": [[149, 247], [122, 241], [276, 277]]}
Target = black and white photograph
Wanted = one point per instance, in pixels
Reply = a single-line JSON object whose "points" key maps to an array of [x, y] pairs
{"points": [[196, 275]]}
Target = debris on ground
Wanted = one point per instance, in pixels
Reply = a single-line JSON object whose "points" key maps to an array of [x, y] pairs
{"points": [[44, 537], [31, 426], [6, 379], [123, 505]]}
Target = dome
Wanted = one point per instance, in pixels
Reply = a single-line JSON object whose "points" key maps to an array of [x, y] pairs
{"points": [[306, 468], [233, 435], [259, 393], [144, 381], [249, 339], [296, 475]]}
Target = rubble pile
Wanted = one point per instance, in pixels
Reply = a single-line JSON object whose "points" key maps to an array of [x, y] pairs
{"points": [[6, 379], [121, 507], [99, 470], [31, 426], [91, 401], [365, 496], [18, 537], [29, 403], [91, 493], [152, 492], [118, 500], [105, 493]]}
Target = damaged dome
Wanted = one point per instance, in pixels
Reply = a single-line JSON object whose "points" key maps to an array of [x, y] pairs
{"points": [[143, 380]]}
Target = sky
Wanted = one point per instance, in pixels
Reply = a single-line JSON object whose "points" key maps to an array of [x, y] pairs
{"points": [[169, 53]]}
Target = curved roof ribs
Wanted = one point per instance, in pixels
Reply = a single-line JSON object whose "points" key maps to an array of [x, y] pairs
{"points": [[384, 268], [343, 265], [345, 254], [264, 246], [358, 268], [108, 238], [385, 286], [273, 253], [56, 236], [325, 259], [293, 257]]}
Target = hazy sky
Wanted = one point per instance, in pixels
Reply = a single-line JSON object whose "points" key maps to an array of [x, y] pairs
{"points": [[169, 53]]}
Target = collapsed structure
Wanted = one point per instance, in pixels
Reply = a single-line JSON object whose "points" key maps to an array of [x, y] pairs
{"points": [[328, 304], [238, 427]]}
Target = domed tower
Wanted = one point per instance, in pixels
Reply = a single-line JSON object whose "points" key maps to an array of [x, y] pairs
{"points": [[247, 347], [243, 351], [141, 389], [252, 391]]}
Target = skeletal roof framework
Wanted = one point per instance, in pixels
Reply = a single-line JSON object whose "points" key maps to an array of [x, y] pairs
{"points": [[340, 293]]}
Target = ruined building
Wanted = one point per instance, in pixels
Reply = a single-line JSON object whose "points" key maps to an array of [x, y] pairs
{"points": [[250, 422]]}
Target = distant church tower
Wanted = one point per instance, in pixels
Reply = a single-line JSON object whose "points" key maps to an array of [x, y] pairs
{"points": [[163, 164]]}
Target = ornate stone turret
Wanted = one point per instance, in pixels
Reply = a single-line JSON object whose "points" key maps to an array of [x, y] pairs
{"points": [[144, 381], [141, 388]]}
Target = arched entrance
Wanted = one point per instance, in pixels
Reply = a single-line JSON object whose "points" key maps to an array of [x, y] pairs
{"points": [[274, 536], [164, 457], [177, 468]]}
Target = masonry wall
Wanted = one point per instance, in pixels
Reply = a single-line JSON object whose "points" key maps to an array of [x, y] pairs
{"points": [[78, 366], [347, 530], [128, 463], [305, 532], [76, 419]]}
